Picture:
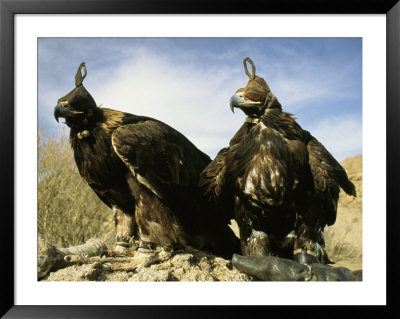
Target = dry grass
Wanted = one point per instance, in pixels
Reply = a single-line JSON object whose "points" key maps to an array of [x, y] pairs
{"points": [[69, 212]]}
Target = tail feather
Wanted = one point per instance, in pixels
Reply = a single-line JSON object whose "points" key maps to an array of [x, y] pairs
{"points": [[349, 188]]}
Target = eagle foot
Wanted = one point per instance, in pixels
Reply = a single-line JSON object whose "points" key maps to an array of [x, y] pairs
{"points": [[118, 254], [305, 257], [143, 258], [125, 245], [146, 245]]}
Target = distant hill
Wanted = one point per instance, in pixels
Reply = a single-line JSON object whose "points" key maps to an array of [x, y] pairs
{"points": [[344, 238]]}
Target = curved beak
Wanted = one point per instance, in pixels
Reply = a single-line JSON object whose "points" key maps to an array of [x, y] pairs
{"points": [[61, 111], [236, 101]]}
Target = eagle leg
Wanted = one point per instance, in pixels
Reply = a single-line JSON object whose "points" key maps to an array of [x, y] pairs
{"points": [[125, 229], [309, 246], [257, 243]]}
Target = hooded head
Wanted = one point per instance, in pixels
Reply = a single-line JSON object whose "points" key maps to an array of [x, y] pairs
{"points": [[256, 97], [78, 106]]}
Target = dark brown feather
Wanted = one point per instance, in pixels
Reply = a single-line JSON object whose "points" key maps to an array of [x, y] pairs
{"points": [[144, 170], [149, 170], [328, 177], [276, 180]]}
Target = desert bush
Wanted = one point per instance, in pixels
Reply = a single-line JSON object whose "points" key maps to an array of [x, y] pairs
{"points": [[69, 212]]}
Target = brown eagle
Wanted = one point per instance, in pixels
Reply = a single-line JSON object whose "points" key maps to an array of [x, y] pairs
{"points": [[275, 179], [144, 170]]}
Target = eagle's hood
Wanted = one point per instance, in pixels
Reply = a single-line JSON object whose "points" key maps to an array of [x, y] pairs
{"points": [[77, 102]]}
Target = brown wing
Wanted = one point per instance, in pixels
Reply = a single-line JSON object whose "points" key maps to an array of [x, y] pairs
{"points": [[215, 182], [161, 158], [328, 176], [212, 178], [215, 190], [168, 164]]}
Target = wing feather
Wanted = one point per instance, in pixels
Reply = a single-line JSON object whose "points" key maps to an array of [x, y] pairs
{"points": [[161, 158], [212, 179], [328, 177]]}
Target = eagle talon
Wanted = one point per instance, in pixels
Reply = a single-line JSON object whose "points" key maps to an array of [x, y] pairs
{"points": [[146, 245], [119, 253], [124, 245], [143, 258]]}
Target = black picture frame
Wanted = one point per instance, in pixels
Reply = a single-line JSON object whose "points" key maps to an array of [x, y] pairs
{"points": [[8, 10]]}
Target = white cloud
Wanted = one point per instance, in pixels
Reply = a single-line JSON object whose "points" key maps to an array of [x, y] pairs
{"points": [[191, 100]]}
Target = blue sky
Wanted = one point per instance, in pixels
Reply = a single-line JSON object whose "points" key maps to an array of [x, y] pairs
{"points": [[187, 83]]}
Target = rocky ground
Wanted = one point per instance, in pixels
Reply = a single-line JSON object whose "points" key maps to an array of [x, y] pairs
{"points": [[343, 244], [196, 266]]}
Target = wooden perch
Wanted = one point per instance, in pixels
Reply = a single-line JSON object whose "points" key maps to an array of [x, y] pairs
{"points": [[51, 257]]}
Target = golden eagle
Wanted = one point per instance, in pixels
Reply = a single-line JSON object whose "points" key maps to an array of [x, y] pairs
{"points": [[146, 171], [275, 179]]}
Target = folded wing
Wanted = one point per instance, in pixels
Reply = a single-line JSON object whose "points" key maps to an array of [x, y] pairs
{"points": [[161, 158], [328, 176]]}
